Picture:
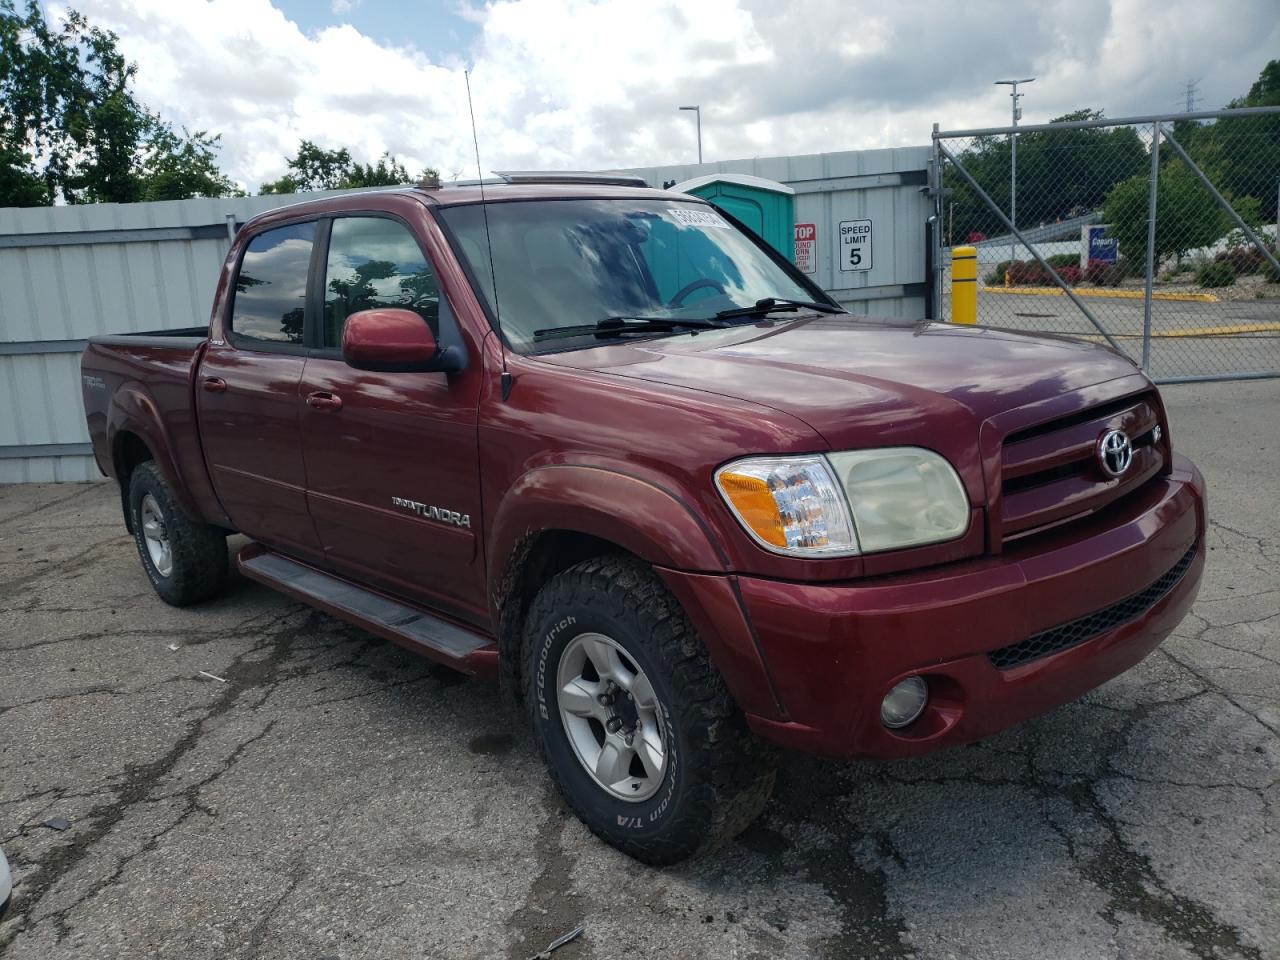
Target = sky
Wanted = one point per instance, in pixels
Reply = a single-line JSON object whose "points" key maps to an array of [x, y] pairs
{"points": [[571, 84]]}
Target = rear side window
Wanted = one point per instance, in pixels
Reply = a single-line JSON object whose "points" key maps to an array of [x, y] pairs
{"points": [[375, 262], [271, 288]]}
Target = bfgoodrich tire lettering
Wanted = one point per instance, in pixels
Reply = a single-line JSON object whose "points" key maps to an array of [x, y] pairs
{"points": [[717, 775], [195, 562]]}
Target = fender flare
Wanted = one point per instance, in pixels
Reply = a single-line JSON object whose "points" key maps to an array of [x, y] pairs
{"points": [[640, 515], [133, 410], [651, 521]]}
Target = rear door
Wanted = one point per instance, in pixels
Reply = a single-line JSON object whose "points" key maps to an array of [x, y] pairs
{"points": [[247, 390], [393, 465]]}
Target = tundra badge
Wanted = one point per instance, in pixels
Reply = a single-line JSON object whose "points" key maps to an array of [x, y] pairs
{"points": [[434, 513]]}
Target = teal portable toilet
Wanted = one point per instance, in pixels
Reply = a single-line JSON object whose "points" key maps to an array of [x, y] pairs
{"points": [[766, 206]]}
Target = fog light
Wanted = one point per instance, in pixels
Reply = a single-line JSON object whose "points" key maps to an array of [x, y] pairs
{"points": [[904, 703]]}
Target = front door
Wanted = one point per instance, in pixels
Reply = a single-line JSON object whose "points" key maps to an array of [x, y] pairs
{"points": [[247, 393], [392, 460]]}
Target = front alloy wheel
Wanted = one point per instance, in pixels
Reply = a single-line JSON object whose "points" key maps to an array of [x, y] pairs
{"points": [[638, 730], [611, 717]]}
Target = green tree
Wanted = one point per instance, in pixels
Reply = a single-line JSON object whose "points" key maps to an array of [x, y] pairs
{"points": [[1249, 147], [1061, 173], [71, 128], [176, 167], [1187, 216], [314, 168]]}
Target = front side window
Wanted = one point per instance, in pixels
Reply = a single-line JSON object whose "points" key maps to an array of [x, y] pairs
{"points": [[565, 263], [271, 287], [375, 262]]}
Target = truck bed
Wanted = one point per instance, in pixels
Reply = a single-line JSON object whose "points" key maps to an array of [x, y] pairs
{"points": [[148, 378]]}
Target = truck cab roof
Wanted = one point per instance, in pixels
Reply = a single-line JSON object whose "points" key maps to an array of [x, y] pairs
{"points": [[448, 195]]}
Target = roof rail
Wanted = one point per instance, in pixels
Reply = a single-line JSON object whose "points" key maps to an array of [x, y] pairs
{"points": [[571, 176]]}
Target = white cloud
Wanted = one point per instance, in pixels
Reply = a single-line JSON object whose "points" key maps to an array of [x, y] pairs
{"points": [[343, 7], [576, 84]]}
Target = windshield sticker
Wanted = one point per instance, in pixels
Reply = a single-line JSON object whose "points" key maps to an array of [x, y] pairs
{"points": [[691, 216]]}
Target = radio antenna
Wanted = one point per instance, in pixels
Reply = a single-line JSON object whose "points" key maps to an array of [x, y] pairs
{"points": [[488, 241]]}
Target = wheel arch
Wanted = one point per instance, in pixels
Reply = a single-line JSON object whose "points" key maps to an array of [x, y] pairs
{"points": [[559, 515], [136, 432], [128, 450]]}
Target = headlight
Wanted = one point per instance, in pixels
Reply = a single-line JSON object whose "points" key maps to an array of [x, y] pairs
{"points": [[902, 497], [860, 501], [789, 504]]}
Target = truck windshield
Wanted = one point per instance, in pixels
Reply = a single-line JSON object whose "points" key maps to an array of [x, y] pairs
{"points": [[572, 263]]}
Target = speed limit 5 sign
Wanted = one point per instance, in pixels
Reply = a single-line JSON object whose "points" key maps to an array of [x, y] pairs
{"points": [[855, 244]]}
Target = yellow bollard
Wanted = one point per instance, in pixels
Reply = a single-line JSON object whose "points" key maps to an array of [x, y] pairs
{"points": [[964, 285]]}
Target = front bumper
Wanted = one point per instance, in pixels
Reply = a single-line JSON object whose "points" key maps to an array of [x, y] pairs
{"points": [[832, 651]]}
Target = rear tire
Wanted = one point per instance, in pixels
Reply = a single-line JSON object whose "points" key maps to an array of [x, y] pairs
{"points": [[692, 776], [185, 560]]}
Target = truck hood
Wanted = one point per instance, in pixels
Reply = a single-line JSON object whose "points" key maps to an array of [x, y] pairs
{"points": [[862, 380]]}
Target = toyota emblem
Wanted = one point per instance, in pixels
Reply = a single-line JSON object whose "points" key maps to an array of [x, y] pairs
{"points": [[1115, 452]]}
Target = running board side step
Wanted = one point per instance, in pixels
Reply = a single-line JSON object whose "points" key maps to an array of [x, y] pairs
{"points": [[414, 629]]}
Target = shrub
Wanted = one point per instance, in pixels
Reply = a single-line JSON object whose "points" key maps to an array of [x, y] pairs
{"points": [[1103, 274], [1270, 273], [1215, 273], [1244, 260], [1001, 267], [1030, 273], [1070, 273], [1026, 273], [1060, 260]]}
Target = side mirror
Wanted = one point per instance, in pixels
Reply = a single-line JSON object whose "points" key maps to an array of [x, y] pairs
{"points": [[395, 340]]}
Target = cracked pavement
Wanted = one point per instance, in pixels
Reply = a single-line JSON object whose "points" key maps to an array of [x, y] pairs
{"points": [[337, 797]]}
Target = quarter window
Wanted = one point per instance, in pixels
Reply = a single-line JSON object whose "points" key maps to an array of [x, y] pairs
{"points": [[375, 262], [271, 287]]}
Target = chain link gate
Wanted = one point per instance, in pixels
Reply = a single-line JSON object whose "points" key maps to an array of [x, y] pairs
{"points": [[1157, 235]]}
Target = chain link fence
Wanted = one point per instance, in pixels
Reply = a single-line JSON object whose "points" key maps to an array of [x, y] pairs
{"points": [[1157, 235]]}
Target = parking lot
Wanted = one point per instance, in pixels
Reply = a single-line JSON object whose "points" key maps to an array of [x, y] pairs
{"points": [[250, 778], [1188, 338]]}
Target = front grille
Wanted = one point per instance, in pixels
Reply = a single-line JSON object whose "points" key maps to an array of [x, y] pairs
{"points": [[1057, 639], [1050, 472]]}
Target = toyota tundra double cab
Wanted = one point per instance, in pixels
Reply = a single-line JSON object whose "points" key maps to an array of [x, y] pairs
{"points": [[603, 444]]}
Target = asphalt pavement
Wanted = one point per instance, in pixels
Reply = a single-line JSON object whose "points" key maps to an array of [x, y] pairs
{"points": [[250, 778], [1189, 338]]}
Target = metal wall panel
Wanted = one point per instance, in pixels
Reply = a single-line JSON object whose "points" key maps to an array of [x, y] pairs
{"points": [[69, 273], [884, 186]]}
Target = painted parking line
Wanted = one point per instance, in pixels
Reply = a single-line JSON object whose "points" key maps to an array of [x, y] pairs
{"points": [[1113, 294], [1226, 331], [1221, 331]]}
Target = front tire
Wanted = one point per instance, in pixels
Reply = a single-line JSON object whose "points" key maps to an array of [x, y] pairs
{"points": [[638, 729], [185, 560]]}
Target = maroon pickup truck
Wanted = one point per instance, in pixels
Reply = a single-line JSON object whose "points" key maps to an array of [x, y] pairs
{"points": [[603, 444]]}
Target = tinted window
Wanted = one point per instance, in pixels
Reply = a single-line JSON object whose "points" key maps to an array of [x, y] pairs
{"points": [[375, 262], [562, 263], [271, 289]]}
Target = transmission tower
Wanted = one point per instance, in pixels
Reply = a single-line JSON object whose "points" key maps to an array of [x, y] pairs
{"points": [[1189, 92]]}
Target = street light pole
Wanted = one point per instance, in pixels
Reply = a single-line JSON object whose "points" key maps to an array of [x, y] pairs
{"points": [[1014, 95], [697, 111]]}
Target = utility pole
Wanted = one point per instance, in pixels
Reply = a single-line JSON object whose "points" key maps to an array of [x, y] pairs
{"points": [[698, 114], [1015, 96]]}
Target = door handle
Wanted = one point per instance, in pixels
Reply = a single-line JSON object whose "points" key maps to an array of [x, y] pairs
{"points": [[215, 384], [322, 400]]}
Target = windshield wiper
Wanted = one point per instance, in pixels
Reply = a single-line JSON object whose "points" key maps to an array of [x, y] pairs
{"points": [[774, 305], [615, 326]]}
